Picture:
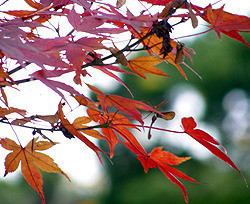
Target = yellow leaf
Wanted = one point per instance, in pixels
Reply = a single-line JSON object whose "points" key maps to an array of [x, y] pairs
{"points": [[155, 44]]}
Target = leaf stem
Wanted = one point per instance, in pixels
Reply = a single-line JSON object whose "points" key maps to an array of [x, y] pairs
{"points": [[155, 128], [30, 127], [192, 35], [14, 132]]}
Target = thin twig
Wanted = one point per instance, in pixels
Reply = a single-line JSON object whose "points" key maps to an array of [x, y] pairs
{"points": [[18, 68]]}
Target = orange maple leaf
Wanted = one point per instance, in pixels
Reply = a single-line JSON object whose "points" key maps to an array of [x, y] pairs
{"points": [[79, 124], [146, 64], [155, 44], [30, 161]]}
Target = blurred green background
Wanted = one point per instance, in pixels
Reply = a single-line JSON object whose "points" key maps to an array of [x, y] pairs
{"points": [[224, 91]]}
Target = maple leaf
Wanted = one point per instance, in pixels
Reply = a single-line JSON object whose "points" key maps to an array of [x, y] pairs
{"points": [[13, 46], [162, 160], [111, 123], [90, 23], [155, 44], [156, 158], [207, 141], [146, 64], [43, 76], [79, 124], [125, 105], [30, 160], [226, 23], [105, 70], [72, 129], [131, 21]]}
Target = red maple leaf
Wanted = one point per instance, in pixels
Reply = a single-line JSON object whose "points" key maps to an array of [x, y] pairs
{"points": [[125, 105], [164, 161], [224, 22], [207, 141], [112, 123]]}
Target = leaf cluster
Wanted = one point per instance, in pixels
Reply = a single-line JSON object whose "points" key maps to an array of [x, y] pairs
{"points": [[90, 44]]}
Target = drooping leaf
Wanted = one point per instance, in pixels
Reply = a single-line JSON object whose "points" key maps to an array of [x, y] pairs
{"points": [[162, 160], [30, 160], [71, 129], [43, 75], [207, 141]]}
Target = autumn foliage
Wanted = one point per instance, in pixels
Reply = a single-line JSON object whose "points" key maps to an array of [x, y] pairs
{"points": [[90, 43]]}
